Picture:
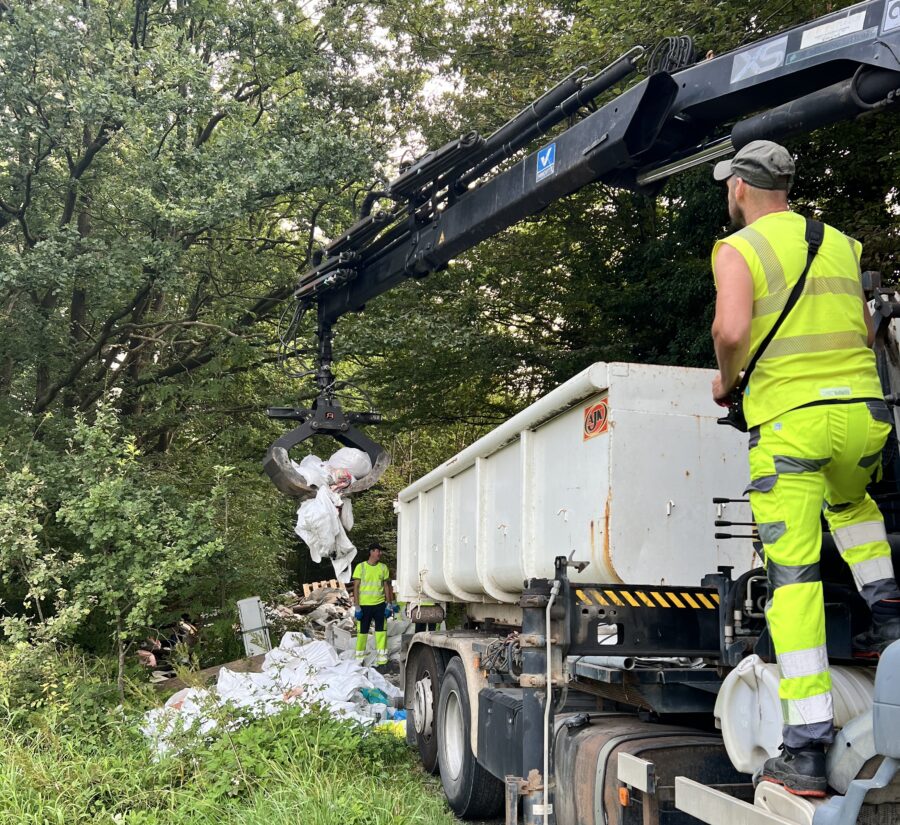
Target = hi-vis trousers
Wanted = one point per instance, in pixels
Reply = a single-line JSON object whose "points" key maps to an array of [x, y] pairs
{"points": [[799, 461], [372, 614]]}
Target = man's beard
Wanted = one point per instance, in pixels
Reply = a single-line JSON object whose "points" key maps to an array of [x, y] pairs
{"points": [[738, 221]]}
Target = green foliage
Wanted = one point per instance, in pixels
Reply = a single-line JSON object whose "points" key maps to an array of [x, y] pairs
{"points": [[45, 688], [125, 540], [162, 171], [135, 539], [34, 572], [79, 763]]}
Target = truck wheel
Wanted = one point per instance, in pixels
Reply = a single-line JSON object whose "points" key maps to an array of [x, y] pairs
{"points": [[426, 685], [472, 792]]}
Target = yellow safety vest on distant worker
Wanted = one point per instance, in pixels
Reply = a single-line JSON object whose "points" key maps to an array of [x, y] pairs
{"points": [[820, 353], [371, 582]]}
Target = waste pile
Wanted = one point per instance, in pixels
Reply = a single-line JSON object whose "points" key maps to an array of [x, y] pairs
{"points": [[317, 609], [324, 521], [327, 614], [162, 649], [301, 671]]}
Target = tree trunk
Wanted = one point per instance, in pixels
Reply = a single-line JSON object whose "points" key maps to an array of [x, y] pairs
{"points": [[6, 374], [120, 648], [78, 309]]}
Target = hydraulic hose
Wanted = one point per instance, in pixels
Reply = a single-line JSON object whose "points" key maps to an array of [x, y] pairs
{"points": [[731, 599], [554, 590]]}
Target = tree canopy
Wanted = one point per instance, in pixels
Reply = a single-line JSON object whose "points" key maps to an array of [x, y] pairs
{"points": [[169, 167]]}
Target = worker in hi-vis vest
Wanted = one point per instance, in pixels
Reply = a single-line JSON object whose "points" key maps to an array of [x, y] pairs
{"points": [[373, 600], [817, 421]]}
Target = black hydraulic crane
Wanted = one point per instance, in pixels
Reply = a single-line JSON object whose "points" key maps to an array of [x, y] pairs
{"points": [[682, 114]]}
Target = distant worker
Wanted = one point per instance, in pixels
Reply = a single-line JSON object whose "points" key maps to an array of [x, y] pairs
{"points": [[817, 420], [373, 599]]}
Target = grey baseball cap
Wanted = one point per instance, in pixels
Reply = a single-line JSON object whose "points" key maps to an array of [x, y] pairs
{"points": [[761, 163]]}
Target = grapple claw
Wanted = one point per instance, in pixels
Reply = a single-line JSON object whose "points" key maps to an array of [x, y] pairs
{"points": [[325, 418]]}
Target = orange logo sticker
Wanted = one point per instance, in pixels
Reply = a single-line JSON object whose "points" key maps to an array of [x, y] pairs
{"points": [[596, 419]]}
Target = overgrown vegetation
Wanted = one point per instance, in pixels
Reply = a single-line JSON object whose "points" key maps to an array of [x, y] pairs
{"points": [[72, 755]]}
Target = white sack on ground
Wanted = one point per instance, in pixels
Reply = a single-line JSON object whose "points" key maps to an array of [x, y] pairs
{"points": [[319, 525], [194, 709], [295, 648], [299, 671]]}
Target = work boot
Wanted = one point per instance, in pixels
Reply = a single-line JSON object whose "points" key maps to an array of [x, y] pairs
{"points": [[872, 643], [801, 772]]}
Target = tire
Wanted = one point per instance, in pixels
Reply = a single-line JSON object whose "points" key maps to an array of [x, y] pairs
{"points": [[472, 792], [426, 681]]}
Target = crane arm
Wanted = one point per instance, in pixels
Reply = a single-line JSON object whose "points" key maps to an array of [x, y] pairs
{"points": [[834, 68]]}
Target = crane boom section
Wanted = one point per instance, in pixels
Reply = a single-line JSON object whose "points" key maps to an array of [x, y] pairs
{"points": [[831, 69]]}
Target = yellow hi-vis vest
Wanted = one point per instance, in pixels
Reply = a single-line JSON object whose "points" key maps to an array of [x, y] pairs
{"points": [[371, 582], [820, 353]]}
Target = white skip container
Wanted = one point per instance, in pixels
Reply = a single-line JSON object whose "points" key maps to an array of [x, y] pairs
{"points": [[617, 467]]}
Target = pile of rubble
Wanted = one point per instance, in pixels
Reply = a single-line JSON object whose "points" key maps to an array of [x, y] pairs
{"points": [[301, 671], [325, 603], [326, 613]]}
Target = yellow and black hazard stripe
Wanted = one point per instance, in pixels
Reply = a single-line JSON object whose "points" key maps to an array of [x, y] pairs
{"points": [[676, 598]]}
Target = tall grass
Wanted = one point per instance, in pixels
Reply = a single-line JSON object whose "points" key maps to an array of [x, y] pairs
{"points": [[89, 763]]}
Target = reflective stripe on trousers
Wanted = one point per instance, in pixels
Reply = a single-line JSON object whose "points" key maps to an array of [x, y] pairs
{"points": [[362, 641], [802, 460], [861, 546]]}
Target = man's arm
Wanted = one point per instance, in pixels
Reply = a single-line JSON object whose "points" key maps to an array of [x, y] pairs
{"points": [[356, 592], [734, 313], [388, 590], [870, 324]]}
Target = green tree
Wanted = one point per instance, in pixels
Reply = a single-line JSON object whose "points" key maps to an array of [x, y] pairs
{"points": [[134, 538], [165, 167]]}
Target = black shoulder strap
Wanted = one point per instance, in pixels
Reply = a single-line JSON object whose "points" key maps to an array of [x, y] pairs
{"points": [[815, 232]]}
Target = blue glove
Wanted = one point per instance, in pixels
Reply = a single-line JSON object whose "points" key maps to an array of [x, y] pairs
{"points": [[396, 609], [358, 614], [388, 610]]}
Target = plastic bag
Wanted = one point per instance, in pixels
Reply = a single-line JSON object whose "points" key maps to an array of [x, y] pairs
{"points": [[396, 728], [390, 690], [347, 514], [374, 696], [347, 458], [319, 525], [313, 470]]}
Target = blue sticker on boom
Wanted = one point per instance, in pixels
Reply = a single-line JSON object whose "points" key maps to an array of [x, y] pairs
{"points": [[546, 162]]}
